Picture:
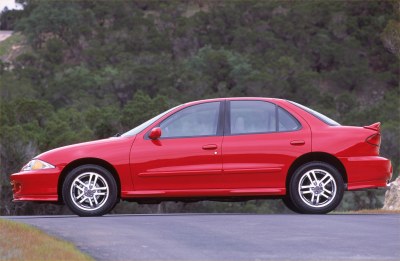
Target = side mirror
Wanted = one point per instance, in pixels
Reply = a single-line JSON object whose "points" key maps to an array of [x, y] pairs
{"points": [[155, 133]]}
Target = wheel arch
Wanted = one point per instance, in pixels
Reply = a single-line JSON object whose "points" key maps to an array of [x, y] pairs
{"points": [[317, 156], [83, 161]]}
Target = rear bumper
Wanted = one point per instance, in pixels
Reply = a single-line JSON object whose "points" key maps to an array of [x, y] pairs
{"points": [[367, 172], [35, 185]]}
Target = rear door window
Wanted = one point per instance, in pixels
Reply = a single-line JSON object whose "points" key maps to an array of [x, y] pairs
{"points": [[251, 117], [287, 122]]}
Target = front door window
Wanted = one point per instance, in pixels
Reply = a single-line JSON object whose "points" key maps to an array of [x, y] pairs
{"points": [[194, 121]]}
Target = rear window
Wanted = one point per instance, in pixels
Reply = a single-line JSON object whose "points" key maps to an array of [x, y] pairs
{"points": [[320, 116]]}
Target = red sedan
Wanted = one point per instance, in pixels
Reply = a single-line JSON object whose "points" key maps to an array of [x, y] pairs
{"points": [[218, 149]]}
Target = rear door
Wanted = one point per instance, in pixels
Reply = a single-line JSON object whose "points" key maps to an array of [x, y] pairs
{"points": [[261, 142]]}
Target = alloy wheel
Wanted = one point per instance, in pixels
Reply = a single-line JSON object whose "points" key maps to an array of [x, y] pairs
{"points": [[317, 188], [89, 191]]}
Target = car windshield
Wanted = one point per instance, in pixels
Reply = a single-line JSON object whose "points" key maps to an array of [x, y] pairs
{"points": [[144, 125], [320, 116]]}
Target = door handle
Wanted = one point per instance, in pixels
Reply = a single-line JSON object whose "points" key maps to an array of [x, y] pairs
{"points": [[297, 142], [210, 147]]}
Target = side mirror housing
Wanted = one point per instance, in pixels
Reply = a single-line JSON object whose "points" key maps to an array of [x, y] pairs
{"points": [[155, 133]]}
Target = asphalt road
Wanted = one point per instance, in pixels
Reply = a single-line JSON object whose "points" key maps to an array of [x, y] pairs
{"points": [[229, 237]]}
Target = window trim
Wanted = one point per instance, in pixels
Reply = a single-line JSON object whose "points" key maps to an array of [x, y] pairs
{"points": [[227, 125], [219, 122]]}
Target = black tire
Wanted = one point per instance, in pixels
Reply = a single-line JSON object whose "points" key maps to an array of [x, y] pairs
{"points": [[288, 203], [104, 192], [316, 188]]}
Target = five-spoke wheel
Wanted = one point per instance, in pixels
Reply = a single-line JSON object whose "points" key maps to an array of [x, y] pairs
{"points": [[90, 190], [316, 188]]}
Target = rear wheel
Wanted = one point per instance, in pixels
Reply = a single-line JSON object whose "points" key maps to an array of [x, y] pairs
{"points": [[90, 190], [316, 188]]}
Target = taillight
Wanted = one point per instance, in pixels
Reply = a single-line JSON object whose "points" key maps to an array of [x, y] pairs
{"points": [[374, 139]]}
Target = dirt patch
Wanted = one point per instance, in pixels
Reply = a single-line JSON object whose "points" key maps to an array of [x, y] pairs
{"points": [[11, 46], [5, 34]]}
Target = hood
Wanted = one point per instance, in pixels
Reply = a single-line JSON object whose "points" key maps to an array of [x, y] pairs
{"points": [[92, 149]]}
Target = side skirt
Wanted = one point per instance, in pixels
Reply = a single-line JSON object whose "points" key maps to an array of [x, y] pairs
{"points": [[202, 194]]}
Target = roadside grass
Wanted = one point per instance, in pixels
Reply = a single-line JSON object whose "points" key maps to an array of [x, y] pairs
{"points": [[22, 242], [368, 211]]}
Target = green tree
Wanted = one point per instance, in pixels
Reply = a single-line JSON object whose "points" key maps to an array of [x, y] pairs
{"points": [[85, 70]]}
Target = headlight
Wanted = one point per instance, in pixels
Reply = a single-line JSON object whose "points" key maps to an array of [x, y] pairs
{"points": [[37, 164]]}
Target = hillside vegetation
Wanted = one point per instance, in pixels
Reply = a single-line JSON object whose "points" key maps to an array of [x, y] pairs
{"points": [[91, 69]]}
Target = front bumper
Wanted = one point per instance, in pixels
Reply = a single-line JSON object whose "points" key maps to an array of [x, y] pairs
{"points": [[38, 185], [367, 172]]}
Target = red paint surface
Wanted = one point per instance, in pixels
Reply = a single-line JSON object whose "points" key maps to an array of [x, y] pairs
{"points": [[225, 165]]}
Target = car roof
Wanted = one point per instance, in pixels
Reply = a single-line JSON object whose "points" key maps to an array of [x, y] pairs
{"points": [[233, 99]]}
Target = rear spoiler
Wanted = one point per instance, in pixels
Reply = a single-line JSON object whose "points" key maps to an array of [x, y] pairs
{"points": [[375, 126]]}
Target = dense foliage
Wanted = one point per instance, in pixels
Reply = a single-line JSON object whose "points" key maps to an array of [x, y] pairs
{"points": [[90, 69]]}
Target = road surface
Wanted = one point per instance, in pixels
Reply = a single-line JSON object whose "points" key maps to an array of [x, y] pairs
{"points": [[228, 237]]}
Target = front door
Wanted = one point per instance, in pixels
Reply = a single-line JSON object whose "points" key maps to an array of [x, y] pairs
{"points": [[186, 156]]}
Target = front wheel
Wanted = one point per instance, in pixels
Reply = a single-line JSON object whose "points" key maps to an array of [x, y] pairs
{"points": [[316, 188], [90, 190], [289, 204]]}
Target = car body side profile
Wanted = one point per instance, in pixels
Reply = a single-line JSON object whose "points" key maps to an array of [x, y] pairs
{"points": [[218, 149]]}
